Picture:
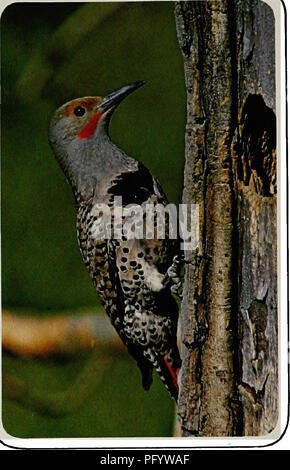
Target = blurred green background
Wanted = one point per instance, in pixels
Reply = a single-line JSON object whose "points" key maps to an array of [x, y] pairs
{"points": [[52, 53]]}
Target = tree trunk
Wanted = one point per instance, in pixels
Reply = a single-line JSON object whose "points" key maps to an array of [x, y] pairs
{"points": [[229, 378]]}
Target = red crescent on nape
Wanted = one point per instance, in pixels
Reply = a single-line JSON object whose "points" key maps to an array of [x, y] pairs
{"points": [[89, 130]]}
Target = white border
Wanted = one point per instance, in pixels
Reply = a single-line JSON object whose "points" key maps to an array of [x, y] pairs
{"points": [[187, 443]]}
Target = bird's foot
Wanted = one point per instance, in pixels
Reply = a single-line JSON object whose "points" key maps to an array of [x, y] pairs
{"points": [[177, 289], [173, 276]]}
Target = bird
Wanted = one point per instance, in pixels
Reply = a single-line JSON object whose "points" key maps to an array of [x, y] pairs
{"points": [[133, 276]]}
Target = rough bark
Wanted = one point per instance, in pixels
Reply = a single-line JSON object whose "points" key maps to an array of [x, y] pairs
{"points": [[229, 378]]}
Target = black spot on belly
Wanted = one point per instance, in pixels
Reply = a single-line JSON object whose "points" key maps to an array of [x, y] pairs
{"points": [[142, 340], [154, 335]]}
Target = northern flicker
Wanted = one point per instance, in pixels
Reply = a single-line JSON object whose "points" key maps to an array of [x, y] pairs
{"points": [[131, 275]]}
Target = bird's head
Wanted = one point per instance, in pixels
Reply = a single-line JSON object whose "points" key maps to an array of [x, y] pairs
{"points": [[78, 137], [84, 118]]}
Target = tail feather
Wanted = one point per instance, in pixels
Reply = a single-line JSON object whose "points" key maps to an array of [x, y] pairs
{"points": [[146, 371], [168, 377], [173, 373], [168, 374]]}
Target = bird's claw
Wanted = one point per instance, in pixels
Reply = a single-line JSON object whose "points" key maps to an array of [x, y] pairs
{"points": [[173, 276], [177, 288]]}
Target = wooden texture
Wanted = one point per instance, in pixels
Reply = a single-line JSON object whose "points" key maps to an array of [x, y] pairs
{"points": [[229, 381]]}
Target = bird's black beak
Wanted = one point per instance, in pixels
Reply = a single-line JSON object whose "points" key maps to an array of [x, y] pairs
{"points": [[115, 98]]}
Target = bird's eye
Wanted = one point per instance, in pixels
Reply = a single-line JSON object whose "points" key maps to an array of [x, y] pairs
{"points": [[79, 111]]}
